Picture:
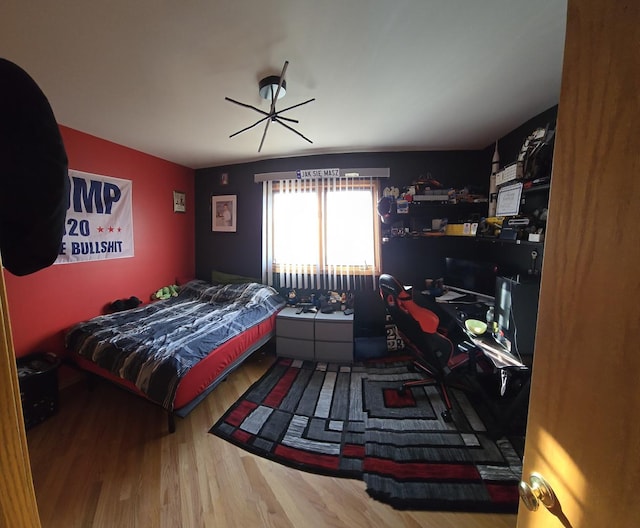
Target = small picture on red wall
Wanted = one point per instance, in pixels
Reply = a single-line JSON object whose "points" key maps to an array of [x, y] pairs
{"points": [[179, 202]]}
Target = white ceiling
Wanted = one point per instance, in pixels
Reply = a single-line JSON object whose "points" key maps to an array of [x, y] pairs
{"points": [[387, 75]]}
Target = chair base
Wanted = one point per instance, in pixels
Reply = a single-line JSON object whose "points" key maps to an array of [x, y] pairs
{"points": [[446, 414]]}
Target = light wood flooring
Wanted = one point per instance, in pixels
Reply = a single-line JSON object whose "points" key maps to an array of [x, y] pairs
{"points": [[106, 460]]}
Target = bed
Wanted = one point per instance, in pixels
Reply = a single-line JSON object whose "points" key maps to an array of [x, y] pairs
{"points": [[175, 352]]}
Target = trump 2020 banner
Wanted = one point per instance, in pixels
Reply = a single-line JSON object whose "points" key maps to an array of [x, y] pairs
{"points": [[99, 223]]}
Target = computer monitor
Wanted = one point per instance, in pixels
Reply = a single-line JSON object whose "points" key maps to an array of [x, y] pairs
{"points": [[516, 314], [472, 277]]}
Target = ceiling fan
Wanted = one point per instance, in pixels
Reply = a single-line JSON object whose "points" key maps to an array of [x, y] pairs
{"points": [[272, 88]]}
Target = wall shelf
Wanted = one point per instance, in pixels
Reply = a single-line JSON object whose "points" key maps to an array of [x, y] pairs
{"points": [[536, 188], [420, 215], [412, 259], [481, 240]]}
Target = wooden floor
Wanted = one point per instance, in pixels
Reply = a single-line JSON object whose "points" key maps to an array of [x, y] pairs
{"points": [[106, 460]]}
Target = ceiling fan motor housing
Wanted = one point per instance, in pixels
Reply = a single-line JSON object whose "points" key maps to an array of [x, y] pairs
{"points": [[270, 83]]}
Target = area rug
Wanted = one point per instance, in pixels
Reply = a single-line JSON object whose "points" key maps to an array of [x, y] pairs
{"points": [[351, 421]]}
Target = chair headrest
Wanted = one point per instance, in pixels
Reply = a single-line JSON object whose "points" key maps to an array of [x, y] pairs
{"points": [[389, 285]]}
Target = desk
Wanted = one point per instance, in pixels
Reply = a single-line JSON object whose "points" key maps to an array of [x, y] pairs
{"points": [[499, 356], [510, 403], [494, 351]]}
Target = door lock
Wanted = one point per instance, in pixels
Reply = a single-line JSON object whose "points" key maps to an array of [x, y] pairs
{"points": [[536, 491]]}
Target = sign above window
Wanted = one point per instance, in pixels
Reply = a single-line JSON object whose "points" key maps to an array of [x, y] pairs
{"points": [[322, 173], [318, 173]]}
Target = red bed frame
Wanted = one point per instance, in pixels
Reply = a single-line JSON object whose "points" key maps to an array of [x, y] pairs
{"points": [[203, 377]]}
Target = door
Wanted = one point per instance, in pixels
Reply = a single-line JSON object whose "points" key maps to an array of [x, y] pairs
{"points": [[17, 498], [583, 431]]}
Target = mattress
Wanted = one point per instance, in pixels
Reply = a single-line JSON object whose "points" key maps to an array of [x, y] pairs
{"points": [[171, 351], [205, 374]]}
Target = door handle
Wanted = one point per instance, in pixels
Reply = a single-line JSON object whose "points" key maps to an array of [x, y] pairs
{"points": [[536, 491]]}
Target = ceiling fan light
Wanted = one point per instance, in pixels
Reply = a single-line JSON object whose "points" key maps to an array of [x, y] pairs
{"points": [[269, 84]]}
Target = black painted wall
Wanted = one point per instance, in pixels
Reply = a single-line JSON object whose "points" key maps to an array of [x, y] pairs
{"points": [[509, 146], [240, 252]]}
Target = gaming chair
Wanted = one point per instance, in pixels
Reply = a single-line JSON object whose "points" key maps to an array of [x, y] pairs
{"points": [[418, 327]]}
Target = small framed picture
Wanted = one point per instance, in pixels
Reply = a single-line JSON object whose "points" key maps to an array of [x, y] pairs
{"points": [[509, 196], [179, 202], [224, 213]]}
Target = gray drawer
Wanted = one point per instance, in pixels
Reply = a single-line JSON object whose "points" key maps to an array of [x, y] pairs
{"points": [[338, 352], [334, 331], [294, 348], [294, 328]]}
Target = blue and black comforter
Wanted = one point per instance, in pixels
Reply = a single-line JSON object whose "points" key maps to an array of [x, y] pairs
{"points": [[155, 345]]}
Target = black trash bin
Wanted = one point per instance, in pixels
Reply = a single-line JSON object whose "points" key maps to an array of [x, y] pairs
{"points": [[38, 379]]}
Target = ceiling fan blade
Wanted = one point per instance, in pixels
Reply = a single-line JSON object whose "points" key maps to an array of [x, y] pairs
{"points": [[277, 120], [247, 106], [264, 134], [250, 126], [294, 106], [286, 118], [275, 98]]}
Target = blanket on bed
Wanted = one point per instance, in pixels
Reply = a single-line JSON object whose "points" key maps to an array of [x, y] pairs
{"points": [[155, 345]]}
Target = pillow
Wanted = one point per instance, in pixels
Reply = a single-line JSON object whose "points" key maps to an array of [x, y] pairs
{"points": [[219, 277]]}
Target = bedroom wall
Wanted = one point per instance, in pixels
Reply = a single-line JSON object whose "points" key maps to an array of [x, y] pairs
{"points": [[509, 145], [240, 252], [44, 304]]}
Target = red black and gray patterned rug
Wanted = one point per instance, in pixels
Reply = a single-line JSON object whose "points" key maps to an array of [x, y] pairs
{"points": [[351, 421]]}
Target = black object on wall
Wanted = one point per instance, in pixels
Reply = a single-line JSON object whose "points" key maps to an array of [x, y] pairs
{"points": [[509, 145], [412, 260], [33, 174]]}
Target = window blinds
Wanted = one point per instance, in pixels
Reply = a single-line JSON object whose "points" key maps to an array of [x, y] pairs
{"points": [[320, 233]]}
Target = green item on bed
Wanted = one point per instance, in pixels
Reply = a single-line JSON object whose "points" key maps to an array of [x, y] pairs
{"points": [[219, 277], [166, 292]]}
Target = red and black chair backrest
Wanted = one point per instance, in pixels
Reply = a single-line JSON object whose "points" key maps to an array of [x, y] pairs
{"points": [[417, 325]]}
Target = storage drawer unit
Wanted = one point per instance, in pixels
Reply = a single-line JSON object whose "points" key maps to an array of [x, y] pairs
{"points": [[295, 334], [311, 336], [334, 337]]}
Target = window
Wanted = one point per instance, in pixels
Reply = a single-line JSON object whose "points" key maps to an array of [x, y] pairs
{"points": [[321, 233]]}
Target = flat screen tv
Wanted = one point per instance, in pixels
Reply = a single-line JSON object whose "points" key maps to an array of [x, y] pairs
{"points": [[472, 277]]}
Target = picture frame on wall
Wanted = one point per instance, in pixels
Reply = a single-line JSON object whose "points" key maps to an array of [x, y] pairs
{"points": [[509, 197], [224, 213], [179, 202]]}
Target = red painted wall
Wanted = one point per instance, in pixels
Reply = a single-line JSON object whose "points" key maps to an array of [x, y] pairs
{"points": [[43, 305]]}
